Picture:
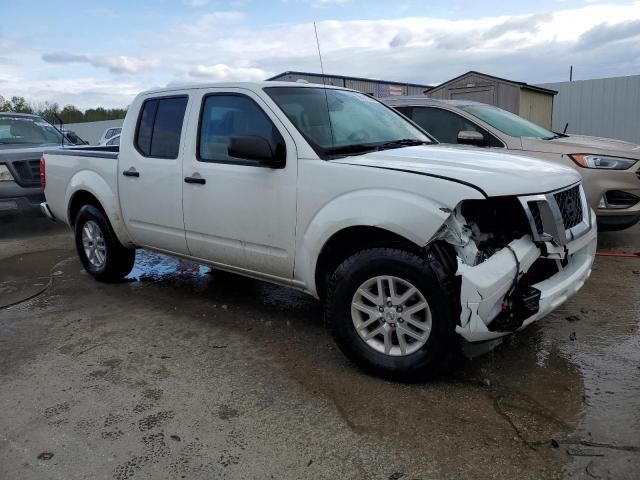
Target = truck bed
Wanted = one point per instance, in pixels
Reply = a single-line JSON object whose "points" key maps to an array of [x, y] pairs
{"points": [[96, 167], [96, 151]]}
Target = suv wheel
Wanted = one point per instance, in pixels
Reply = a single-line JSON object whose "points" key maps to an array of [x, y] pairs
{"points": [[390, 316], [100, 251]]}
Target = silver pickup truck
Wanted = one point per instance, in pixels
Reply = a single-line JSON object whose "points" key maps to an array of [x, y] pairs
{"points": [[23, 138]]}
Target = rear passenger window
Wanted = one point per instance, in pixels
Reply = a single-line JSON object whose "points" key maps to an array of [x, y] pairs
{"points": [[160, 126]]}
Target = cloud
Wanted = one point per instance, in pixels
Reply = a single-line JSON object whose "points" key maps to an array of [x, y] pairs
{"points": [[521, 24], [400, 39], [113, 63], [328, 3], [232, 45], [606, 33], [196, 3], [226, 73]]}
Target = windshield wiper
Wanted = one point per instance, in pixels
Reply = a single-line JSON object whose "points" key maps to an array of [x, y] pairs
{"points": [[404, 142], [355, 148], [373, 147]]}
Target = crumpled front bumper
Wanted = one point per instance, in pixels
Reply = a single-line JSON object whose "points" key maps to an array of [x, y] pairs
{"points": [[484, 286]]}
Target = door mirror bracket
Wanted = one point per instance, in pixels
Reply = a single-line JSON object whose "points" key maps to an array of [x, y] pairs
{"points": [[252, 147]]}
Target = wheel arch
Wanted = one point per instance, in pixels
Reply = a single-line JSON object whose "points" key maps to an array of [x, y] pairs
{"points": [[370, 217], [87, 187], [349, 241]]}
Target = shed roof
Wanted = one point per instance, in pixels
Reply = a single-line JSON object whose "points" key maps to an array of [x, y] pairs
{"points": [[500, 79]]}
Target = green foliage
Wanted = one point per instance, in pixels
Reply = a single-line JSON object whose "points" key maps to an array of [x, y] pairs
{"points": [[53, 113], [16, 104]]}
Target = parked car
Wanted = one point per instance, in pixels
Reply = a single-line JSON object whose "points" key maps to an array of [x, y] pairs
{"points": [[411, 246], [23, 138], [108, 134], [113, 141], [609, 168]]}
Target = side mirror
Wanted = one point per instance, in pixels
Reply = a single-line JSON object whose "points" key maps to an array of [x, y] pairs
{"points": [[251, 147], [471, 137]]}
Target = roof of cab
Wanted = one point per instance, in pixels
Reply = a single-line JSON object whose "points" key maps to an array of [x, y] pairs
{"points": [[422, 100], [16, 114], [245, 85]]}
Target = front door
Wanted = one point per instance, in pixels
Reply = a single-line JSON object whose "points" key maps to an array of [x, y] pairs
{"points": [[237, 212], [150, 175]]}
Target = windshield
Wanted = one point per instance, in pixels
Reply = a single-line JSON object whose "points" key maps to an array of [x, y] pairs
{"points": [[17, 130], [508, 122], [342, 122]]}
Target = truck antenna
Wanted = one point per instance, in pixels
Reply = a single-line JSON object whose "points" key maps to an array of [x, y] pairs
{"points": [[61, 129], [324, 83]]}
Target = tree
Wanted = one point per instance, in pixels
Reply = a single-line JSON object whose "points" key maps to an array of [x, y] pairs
{"points": [[53, 114], [71, 114], [16, 104]]}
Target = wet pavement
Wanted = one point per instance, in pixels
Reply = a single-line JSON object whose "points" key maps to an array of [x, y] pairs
{"points": [[182, 372]]}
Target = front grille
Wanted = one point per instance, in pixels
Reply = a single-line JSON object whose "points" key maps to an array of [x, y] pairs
{"points": [[570, 205], [28, 172], [560, 216], [537, 218]]}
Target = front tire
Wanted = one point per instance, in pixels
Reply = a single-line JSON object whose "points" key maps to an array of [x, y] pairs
{"points": [[390, 315], [100, 251]]}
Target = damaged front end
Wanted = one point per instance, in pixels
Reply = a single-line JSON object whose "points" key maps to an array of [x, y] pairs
{"points": [[518, 258]]}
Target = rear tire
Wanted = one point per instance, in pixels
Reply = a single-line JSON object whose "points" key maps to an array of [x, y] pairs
{"points": [[100, 251], [425, 319]]}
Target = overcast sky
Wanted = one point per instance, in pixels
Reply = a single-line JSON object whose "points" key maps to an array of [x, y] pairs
{"points": [[103, 53]]}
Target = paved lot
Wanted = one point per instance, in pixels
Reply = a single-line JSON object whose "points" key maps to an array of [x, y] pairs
{"points": [[186, 373]]}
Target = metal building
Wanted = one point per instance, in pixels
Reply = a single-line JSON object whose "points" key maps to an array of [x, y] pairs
{"points": [[604, 107], [529, 101], [377, 88]]}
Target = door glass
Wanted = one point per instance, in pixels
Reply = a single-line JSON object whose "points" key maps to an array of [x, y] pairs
{"points": [[442, 124], [160, 127], [168, 127], [226, 116], [145, 126]]}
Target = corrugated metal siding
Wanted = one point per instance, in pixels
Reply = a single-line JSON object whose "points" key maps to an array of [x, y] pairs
{"points": [[536, 106], [362, 86], [366, 86], [605, 107], [411, 90]]}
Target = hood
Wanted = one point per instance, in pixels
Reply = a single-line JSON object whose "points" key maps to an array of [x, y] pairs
{"points": [[494, 173], [583, 144]]}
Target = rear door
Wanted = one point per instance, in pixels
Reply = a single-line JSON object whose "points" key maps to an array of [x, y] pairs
{"points": [[150, 173], [240, 213]]}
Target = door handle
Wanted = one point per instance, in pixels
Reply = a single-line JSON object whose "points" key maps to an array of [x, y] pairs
{"points": [[198, 180], [132, 172]]}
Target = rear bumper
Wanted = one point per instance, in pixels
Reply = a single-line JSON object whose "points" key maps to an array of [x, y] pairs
{"points": [[484, 286], [13, 197], [46, 211]]}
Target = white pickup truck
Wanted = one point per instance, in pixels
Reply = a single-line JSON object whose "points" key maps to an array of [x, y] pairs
{"points": [[415, 248]]}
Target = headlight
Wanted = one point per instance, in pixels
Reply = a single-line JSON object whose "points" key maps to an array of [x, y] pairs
{"points": [[5, 174], [602, 161]]}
